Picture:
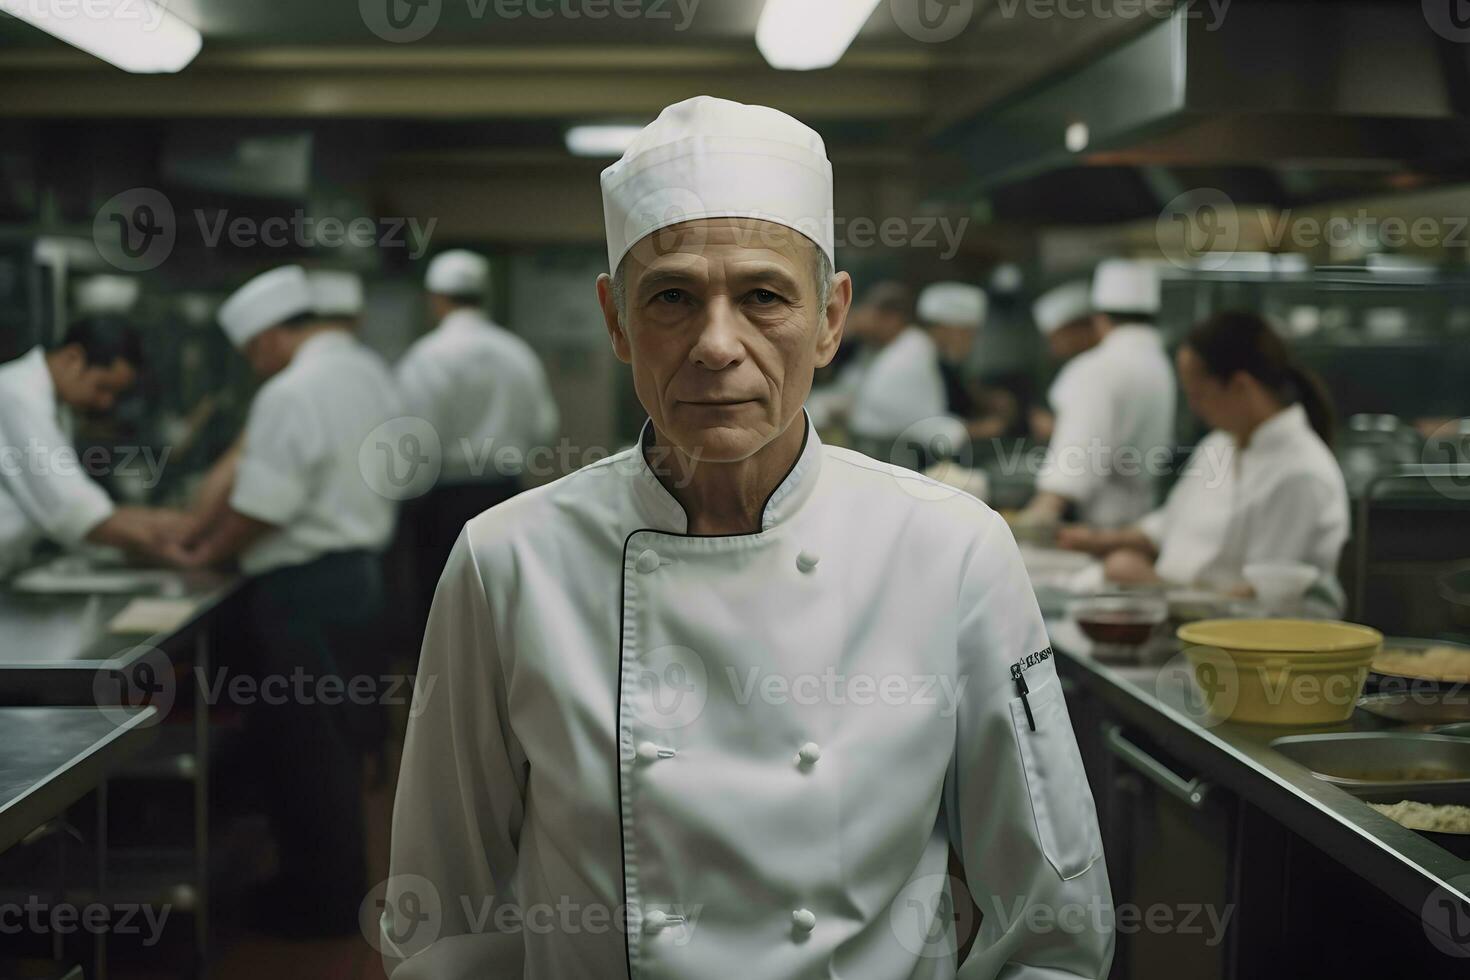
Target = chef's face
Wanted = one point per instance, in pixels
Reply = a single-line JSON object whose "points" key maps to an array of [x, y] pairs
{"points": [[1213, 400], [954, 343], [92, 389], [269, 351], [723, 330]]}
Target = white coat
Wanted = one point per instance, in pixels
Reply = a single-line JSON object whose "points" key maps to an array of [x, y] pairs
{"points": [[1114, 410], [1282, 498], [757, 750], [45, 492], [901, 387], [484, 391]]}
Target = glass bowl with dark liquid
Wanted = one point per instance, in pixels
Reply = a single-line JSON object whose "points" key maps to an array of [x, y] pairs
{"points": [[1119, 625]]}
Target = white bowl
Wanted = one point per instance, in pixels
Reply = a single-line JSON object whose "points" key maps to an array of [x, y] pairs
{"points": [[1280, 584]]}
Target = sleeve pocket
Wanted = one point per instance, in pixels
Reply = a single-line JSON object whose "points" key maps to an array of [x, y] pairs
{"points": [[1061, 802]]}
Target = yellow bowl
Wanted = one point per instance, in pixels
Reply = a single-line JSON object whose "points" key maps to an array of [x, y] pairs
{"points": [[1280, 671]]}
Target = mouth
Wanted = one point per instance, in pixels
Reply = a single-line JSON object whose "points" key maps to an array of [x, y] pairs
{"points": [[718, 402]]}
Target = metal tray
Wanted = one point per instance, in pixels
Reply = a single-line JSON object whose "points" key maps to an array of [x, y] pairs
{"points": [[1435, 795], [1357, 761], [1419, 708]]}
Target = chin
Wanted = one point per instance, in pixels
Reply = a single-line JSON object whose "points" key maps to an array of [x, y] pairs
{"points": [[720, 443]]}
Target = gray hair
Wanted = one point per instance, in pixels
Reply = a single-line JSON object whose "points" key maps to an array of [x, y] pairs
{"points": [[822, 273]]}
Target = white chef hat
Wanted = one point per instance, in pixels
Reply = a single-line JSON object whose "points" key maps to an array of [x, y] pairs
{"points": [[1062, 304], [335, 293], [458, 273], [1126, 286], [712, 158], [953, 304], [269, 299], [107, 294]]}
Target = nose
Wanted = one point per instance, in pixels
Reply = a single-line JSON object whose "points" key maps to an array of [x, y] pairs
{"points": [[718, 345]]}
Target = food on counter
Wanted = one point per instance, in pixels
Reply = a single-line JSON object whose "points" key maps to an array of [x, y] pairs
{"points": [[1447, 819], [1436, 663], [1424, 774]]}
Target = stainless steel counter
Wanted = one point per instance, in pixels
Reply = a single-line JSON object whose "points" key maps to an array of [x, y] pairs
{"points": [[1160, 700], [51, 757]]}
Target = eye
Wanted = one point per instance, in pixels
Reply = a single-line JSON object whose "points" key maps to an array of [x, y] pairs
{"points": [[765, 297], [670, 296]]}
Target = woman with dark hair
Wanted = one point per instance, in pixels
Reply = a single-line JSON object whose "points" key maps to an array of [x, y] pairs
{"points": [[1263, 487]]}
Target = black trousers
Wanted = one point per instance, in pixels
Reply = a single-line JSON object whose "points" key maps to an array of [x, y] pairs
{"points": [[316, 639], [432, 524]]}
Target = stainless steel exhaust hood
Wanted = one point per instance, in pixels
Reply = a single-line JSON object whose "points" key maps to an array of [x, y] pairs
{"points": [[1367, 87]]}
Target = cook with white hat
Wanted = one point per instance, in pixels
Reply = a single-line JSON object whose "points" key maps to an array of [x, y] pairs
{"points": [[305, 511], [485, 393], [336, 295], [1114, 408], [908, 393], [1063, 315], [655, 677]]}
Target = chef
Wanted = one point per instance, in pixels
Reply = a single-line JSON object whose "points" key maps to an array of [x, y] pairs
{"points": [[1264, 486], [45, 490], [686, 719], [1063, 315], [485, 393], [1114, 407], [885, 310], [904, 397], [305, 515]]}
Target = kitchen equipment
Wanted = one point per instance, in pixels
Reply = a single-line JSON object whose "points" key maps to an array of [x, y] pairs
{"points": [[1280, 671], [1119, 625], [1381, 761], [1393, 670], [1281, 585], [1193, 605], [1457, 730], [1433, 795], [1417, 708]]}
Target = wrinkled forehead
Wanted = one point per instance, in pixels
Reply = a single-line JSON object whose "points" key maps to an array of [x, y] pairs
{"points": [[699, 245]]}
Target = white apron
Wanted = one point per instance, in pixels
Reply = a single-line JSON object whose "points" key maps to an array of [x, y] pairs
{"points": [[757, 750]]}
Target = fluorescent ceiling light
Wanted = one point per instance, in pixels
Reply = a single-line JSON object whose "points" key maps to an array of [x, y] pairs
{"points": [[135, 35], [799, 35], [601, 141]]}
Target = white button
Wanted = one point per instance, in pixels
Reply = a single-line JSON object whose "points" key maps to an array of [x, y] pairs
{"points": [[655, 920], [647, 561], [806, 561], [649, 752], [804, 920], [808, 754]]}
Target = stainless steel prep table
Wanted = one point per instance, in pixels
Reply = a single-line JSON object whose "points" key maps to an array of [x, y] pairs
{"points": [[1398, 862], [52, 757]]}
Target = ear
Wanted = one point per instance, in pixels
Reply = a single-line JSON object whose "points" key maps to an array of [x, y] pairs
{"points": [[834, 320], [621, 348]]}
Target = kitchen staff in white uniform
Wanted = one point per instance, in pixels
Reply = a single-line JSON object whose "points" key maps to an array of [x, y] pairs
{"points": [[45, 490], [306, 513], [1114, 408], [1263, 487], [1064, 317], [485, 393], [682, 722], [336, 295], [902, 399], [885, 311]]}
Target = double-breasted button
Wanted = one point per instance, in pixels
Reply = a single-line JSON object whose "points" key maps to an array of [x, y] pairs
{"points": [[649, 752], [803, 920], [655, 921], [808, 754], [806, 561], [646, 561]]}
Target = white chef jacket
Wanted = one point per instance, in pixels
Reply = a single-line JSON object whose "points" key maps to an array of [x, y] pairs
{"points": [[303, 467], [1282, 498], [44, 489], [1114, 409], [901, 386], [484, 391], [627, 717]]}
